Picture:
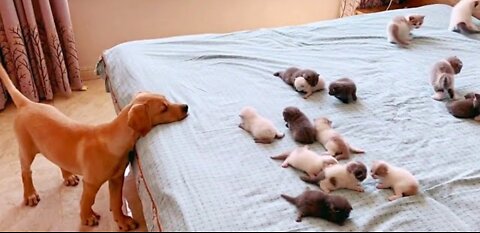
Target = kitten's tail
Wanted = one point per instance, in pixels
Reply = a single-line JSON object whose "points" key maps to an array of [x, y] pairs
{"points": [[290, 199], [278, 74]]}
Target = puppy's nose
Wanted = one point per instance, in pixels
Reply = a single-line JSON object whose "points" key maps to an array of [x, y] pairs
{"points": [[185, 108]]}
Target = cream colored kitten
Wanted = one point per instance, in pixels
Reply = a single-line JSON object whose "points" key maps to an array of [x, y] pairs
{"points": [[399, 29]]}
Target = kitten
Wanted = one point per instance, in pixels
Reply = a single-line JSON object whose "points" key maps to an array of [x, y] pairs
{"points": [[318, 204], [292, 74], [304, 159], [442, 77], [399, 179], [343, 89], [340, 176], [461, 18], [332, 141], [399, 29], [467, 108], [262, 129]]}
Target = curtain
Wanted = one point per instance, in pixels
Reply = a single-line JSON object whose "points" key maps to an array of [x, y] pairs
{"points": [[347, 7], [37, 48]]}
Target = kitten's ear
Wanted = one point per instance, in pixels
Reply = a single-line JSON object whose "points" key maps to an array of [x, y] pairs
{"points": [[477, 96], [476, 3], [422, 17], [410, 18]]}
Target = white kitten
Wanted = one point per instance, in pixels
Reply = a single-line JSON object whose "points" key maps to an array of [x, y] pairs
{"points": [[400, 180], [262, 129], [461, 18], [302, 85], [306, 160], [399, 29]]}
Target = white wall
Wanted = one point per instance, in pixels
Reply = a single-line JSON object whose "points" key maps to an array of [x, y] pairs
{"points": [[101, 24]]}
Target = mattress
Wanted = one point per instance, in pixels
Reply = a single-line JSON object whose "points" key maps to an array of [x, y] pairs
{"points": [[206, 174]]}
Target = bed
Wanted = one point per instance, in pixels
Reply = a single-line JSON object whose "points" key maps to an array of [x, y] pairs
{"points": [[206, 174]]}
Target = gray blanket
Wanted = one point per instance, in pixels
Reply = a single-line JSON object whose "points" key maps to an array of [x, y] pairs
{"points": [[205, 173]]}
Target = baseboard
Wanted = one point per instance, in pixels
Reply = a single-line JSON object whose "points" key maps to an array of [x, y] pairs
{"points": [[88, 73]]}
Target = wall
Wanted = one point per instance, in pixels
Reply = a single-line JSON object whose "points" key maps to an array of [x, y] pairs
{"points": [[101, 24]]}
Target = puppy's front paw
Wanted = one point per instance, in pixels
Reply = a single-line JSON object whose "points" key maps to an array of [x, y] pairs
{"points": [[71, 181], [31, 200], [127, 223], [91, 219]]}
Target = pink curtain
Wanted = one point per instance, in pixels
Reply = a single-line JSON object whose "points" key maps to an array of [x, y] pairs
{"points": [[37, 48]]}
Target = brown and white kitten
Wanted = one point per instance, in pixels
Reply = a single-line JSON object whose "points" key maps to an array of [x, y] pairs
{"points": [[467, 108], [442, 77], [399, 29]]}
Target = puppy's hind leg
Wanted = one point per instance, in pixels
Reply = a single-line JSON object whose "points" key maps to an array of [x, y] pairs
{"points": [[27, 153], [30, 196], [69, 179]]}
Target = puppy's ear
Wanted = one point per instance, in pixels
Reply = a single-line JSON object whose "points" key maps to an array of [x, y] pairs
{"points": [[139, 119]]}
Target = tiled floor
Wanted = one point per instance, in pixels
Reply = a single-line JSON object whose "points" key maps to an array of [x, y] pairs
{"points": [[58, 209]]}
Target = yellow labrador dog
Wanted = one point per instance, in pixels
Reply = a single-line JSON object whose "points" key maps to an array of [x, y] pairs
{"points": [[97, 152]]}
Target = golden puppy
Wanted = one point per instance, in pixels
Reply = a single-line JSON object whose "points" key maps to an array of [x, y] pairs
{"points": [[97, 152]]}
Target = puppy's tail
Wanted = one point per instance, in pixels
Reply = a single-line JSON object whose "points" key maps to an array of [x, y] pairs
{"points": [[18, 98], [290, 199]]}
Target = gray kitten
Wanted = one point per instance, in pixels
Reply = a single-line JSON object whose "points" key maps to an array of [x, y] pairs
{"points": [[442, 77]]}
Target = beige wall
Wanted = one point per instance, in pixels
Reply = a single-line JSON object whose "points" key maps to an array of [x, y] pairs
{"points": [[101, 24]]}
